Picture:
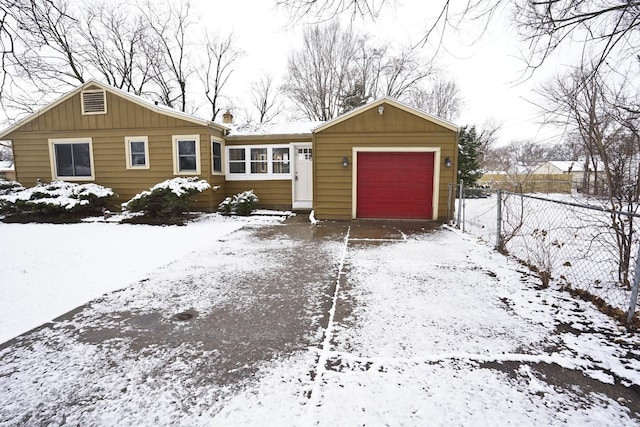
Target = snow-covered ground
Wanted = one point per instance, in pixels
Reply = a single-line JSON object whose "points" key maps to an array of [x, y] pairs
{"points": [[47, 270], [575, 245], [425, 328]]}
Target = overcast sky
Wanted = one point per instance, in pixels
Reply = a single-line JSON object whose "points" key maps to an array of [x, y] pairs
{"points": [[489, 71]]}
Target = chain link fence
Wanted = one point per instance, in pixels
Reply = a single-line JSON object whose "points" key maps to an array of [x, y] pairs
{"points": [[588, 250]]}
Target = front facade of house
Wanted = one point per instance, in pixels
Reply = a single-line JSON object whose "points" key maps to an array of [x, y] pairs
{"points": [[382, 160]]}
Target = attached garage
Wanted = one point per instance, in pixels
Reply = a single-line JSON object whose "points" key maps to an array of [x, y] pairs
{"points": [[393, 184], [384, 160]]}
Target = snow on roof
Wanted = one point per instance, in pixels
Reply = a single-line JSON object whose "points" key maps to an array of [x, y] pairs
{"points": [[266, 129], [565, 166], [6, 165]]}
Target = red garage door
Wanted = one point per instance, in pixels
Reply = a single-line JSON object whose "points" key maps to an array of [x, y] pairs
{"points": [[395, 185]]}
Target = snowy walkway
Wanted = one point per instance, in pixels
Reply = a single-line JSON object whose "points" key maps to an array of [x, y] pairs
{"points": [[426, 328]]}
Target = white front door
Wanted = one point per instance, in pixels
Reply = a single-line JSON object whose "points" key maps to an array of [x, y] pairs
{"points": [[303, 176]]}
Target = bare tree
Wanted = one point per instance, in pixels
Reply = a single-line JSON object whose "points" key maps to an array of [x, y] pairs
{"points": [[592, 105], [221, 57], [318, 73], [326, 9], [115, 45], [338, 70], [50, 51], [498, 159], [400, 74], [56, 47], [581, 101], [265, 97], [609, 27], [169, 51], [442, 99], [517, 156]]}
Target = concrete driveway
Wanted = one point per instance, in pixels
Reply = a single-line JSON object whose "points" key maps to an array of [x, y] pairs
{"points": [[345, 323]]}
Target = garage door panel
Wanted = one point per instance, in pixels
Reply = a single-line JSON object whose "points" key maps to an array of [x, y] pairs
{"points": [[395, 185]]}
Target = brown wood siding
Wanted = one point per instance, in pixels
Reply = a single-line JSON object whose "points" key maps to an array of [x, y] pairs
{"points": [[124, 118], [394, 120], [395, 128], [121, 114], [275, 194]]}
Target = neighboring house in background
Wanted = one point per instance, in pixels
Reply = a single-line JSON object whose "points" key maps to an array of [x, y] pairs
{"points": [[561, 167], [521, 169], [382, 160], [7, 170]]}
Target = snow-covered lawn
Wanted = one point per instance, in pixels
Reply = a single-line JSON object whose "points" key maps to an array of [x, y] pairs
{"points": [[575, 245], [47, 270], [425, 328]]}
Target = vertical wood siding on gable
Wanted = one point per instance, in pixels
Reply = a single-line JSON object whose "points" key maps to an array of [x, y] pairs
{"points": [[122, 114], [394, 120]]}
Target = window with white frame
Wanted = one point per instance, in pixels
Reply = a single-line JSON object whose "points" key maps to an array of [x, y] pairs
{"points": [[71, 159], [186, 154], [216, 156], [137, 150], [280, 160], [237, 164], [260, 162]]}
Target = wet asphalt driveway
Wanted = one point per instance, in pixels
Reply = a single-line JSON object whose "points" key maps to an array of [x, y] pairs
{"points": [[188, 339]]}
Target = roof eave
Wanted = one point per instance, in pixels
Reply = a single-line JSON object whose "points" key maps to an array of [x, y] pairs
{"points": [[117, 92], [390, 101], [269, 136]]}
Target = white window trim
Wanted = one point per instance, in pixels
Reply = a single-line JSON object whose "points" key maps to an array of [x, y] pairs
{"points": [[52, 158], [92, 113], [222, 156], [127, 148], [248, 176], [176, 163], [436, 172]]}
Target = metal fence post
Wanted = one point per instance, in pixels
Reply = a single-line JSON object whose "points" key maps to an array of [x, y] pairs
{"points": [[464, 207], [499, 220], [449, 217], [634, 290], [460, 204]]}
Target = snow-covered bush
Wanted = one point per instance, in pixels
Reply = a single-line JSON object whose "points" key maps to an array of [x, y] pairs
{"points": [[57, 200], [8, 187], [240, 204], [168, 199]]}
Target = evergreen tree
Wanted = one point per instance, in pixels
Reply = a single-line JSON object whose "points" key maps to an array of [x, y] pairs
{"points": [[353, 98], [470, 147]]}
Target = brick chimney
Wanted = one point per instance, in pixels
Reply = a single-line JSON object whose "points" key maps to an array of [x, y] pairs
{"points": [[227, 118]]}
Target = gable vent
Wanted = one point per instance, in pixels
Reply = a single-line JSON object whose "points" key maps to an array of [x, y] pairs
{"points": [[94, 102]]}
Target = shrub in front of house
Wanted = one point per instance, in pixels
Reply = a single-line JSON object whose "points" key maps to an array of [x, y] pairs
{"points": [[240, 204], [56, 201], [168, 200], [9, 187]]}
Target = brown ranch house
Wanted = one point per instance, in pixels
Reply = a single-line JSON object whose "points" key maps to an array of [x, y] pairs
{"points": [[383, 160]]}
